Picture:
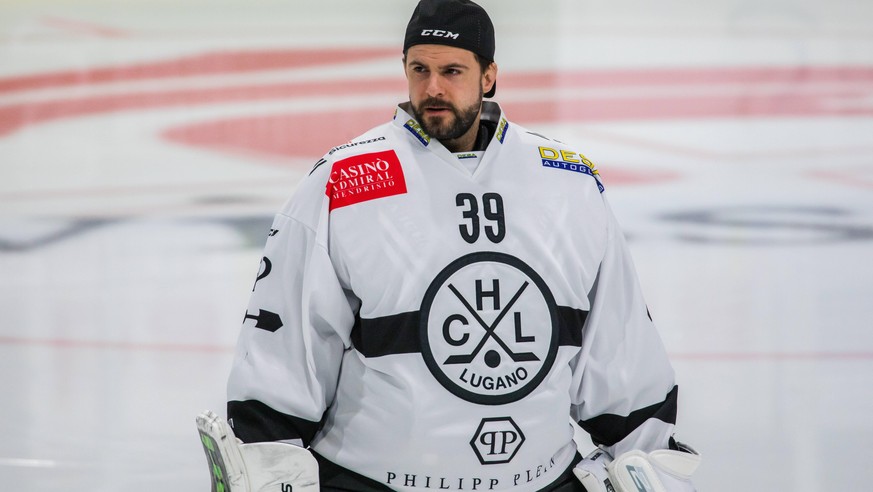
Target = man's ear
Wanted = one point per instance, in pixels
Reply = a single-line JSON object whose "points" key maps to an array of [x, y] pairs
{"points": [[489, 78]]}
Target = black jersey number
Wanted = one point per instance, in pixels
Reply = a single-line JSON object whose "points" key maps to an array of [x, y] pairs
{"points": [[491, 210]]}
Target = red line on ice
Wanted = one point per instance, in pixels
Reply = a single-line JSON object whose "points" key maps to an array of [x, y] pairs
{"points": [[83, 27], [216, 63], [115, 345], [62, 343]]}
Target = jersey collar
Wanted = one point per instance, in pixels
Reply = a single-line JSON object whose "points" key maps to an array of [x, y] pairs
{"points": [[413, 130], [491, 111]]}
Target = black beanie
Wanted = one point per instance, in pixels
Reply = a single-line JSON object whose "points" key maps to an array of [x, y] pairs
{"points": [[458, 23]]}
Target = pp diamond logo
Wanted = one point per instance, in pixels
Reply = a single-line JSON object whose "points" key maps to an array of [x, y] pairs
{"points": [[497, 440]]}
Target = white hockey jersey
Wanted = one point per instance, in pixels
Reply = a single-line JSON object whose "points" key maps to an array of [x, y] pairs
{"points": [[430, 327]]}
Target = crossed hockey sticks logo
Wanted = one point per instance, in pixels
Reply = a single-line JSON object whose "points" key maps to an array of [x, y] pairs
{"points": [[469, 375], [489, 331]]}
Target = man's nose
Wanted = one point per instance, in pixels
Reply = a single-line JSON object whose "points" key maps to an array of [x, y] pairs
{"points": [[434, 85]]}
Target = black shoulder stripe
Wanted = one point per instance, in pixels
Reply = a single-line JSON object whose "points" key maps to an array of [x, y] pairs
{"points": [[571, 321], [608, 429], [388, 335], [400, 333], [254, 421]]}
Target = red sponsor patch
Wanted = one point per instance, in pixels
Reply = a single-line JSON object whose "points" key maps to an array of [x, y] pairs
{"points": [[365, 177]]}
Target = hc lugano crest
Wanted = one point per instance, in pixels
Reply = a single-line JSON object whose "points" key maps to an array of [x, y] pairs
{"points": [[489, 328]]}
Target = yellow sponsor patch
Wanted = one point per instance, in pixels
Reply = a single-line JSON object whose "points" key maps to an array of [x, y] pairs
{"points": [[417, 131], [569, 161]]}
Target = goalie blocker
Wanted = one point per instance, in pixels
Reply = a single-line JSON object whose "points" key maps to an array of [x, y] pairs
{"points": [[664, 470], [255, 467]]}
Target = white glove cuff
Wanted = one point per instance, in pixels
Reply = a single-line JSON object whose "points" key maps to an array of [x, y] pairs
{"points": [[592, 472], [663, 470]]}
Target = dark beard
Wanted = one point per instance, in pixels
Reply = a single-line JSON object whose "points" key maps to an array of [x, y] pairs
{"points": [[463, 120]]}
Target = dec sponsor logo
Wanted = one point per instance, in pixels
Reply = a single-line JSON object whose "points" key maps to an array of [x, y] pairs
{"points": [[365, 177], [570, 161], [567, 157]]}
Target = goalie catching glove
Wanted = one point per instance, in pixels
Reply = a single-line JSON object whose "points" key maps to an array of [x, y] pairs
{"points": [[664, 470], [255, 467]]}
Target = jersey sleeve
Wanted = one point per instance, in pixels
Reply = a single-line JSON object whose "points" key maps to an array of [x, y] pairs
{"points": [[624, 387], [295, 331]]}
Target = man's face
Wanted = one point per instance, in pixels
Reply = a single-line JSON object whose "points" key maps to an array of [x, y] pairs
{"points": [[445, 89]]}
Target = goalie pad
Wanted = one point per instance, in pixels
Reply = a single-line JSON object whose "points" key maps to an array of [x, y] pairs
{"points": [[255, 467], [664, 470]]}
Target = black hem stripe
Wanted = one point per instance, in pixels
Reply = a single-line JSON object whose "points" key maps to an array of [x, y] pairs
{"points": [[335, 478], [253, 421]]}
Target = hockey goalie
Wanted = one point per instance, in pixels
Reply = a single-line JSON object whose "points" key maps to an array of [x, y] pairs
{"points": [[439, 301]]}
